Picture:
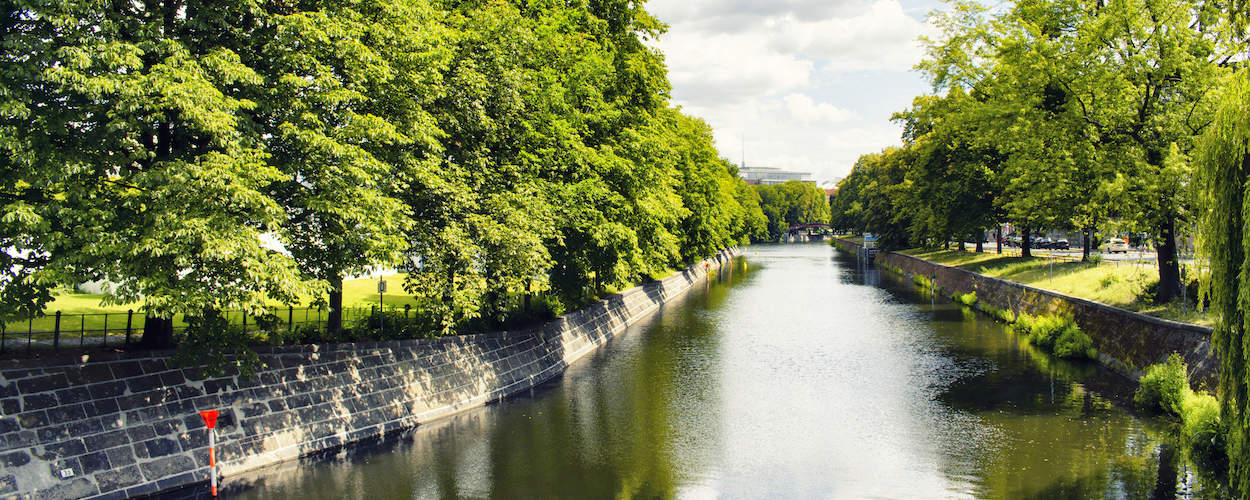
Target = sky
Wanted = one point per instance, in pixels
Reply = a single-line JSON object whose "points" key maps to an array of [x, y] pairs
{"points": [[808, 84]]}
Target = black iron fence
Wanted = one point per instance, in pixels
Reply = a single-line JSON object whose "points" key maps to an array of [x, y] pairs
{"points": [[78, 330]]}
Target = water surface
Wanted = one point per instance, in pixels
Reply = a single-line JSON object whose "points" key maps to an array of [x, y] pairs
{"points": [[793, 373]]}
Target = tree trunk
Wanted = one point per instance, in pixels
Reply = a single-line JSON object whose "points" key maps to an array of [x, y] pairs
{"points": [[1087, 235], [1169, 267], [334, 320], [1026, 242], [529, 295], [980, 236], [998, 239], [158, 333]]}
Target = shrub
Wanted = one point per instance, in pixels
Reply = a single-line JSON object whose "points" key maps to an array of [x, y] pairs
{"points": [[1059, 335], [1006, 315], [1201, 428], [1163, 387], [968, 299], [921, 280]]}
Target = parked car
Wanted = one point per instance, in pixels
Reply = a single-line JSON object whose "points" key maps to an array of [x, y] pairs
{"points": [[1060, 244], [1115, 245], [1041, 242]]}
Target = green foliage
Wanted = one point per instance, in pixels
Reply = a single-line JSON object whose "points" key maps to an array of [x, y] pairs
{"points": [[789, 204], [968, 299], [1058, 335], [1222, 176], [1163, 387], [1202, 429], [226, 156], [213, 345]]}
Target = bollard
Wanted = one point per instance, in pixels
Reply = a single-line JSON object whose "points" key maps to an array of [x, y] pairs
{"points": [[56, 332], [130, 316], [210, 421]]}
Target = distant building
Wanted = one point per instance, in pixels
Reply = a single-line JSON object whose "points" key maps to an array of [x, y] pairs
{"points": [[769, 175]]}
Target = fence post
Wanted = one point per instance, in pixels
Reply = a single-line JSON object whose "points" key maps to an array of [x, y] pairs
{"points": [[407, 307], [130, 316], [106, 329], [56, 332], [245, 321], [290, 318], [30, 325], [82, 330], [4, 327]]}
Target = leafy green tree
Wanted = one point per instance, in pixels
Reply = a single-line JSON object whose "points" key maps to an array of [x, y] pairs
{"points": [[131, 159], [1223, 174]]}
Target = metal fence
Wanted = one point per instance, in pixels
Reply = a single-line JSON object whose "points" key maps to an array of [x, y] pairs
{"points": [[77, 330]]}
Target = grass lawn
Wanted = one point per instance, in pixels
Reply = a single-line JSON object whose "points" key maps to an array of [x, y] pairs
{"points": [[1117, 285], [83, 311]]}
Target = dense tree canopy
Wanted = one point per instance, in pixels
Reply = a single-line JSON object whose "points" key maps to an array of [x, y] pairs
{"points": [[1059, 114], [500, 151]]}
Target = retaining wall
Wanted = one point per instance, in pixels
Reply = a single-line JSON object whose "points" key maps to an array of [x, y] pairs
{"points": [[126, 424], [1127, 341]]}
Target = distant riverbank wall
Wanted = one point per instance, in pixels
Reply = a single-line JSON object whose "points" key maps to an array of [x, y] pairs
{"points": [[1127, 341], [124, 424]]}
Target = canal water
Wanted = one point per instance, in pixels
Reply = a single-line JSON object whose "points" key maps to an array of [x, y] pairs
{"points": [[794, 373]]}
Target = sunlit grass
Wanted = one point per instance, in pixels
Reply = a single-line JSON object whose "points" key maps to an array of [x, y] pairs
{"points": [[1119, 285], [84, 311]]}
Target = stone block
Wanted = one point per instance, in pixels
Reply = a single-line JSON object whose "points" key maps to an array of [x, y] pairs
{"points": [[126, 369], [166, 467], [14, 459], [140, 432], [101, 407], [65, 449], [8, 484], [106, 440], [43, 384], [161, 447], [121, 455], [29, 420], [118, 479], [94, 462], [38, 401], [66, 413], [110, 389], [144, 383], [73, 395], [11, 406], [76, 488]]}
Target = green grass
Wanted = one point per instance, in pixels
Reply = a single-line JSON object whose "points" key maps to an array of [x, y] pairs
{"points": [[84, 311], [1106, 282]]}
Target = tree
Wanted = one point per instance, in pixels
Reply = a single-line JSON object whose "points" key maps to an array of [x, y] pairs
{"points": [[132, 160], [1223, 173]]}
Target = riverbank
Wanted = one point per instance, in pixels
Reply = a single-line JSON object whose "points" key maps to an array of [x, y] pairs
{"points": [[1127, 341], [1125, 285], [126, 424]]}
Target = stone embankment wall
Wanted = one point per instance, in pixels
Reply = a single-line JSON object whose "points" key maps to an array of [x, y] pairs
{"points": [[1127, 342], [127, 424]]}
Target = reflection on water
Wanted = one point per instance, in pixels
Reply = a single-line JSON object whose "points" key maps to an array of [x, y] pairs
{"points": [[793, 373]]}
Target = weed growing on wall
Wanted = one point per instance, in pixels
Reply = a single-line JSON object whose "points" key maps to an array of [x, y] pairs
{"points": [[1165, 389], [1058, 335]]}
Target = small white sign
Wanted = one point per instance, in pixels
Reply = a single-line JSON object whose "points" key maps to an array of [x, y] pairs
{"points": [[381, 286], [67, 473]]}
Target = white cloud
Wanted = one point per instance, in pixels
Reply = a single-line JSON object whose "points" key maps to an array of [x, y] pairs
{"points": [[809, 84], [805, 110]]}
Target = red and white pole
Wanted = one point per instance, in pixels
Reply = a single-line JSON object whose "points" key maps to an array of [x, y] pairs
{"points": [[210, 420]]}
